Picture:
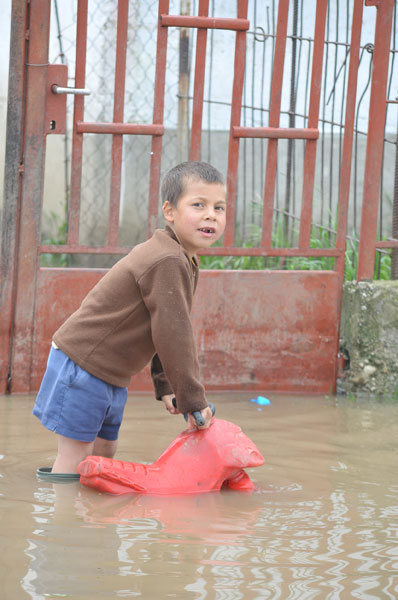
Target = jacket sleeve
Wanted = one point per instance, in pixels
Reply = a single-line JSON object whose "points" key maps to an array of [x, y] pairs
{"points": [[160, 382], [167, 292]]}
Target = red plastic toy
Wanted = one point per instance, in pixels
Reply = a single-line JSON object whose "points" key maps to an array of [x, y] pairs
{"points": [[196, 461]]}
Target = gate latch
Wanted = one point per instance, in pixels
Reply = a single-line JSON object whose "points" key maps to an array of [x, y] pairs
{"points": [[56, 90]]}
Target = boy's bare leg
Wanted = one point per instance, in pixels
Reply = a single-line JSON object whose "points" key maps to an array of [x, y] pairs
{"points": [[104, 447], [71, 452]]}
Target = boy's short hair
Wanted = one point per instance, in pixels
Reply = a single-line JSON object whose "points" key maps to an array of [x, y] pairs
{"points": [[173, 184]]}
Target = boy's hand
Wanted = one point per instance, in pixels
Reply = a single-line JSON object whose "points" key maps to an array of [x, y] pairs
{"points": [[168, 402], [207, 415]]}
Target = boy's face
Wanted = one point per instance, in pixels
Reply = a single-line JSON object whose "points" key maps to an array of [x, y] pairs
{"points": [[199, 217]]}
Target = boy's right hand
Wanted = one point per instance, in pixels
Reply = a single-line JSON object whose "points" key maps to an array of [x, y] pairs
{"points": [[207, 415], [168, 402], [200, 419]]}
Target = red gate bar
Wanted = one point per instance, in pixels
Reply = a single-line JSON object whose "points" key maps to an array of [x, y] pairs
{"points": [[13, 177], [199, 84], [346, 157], [82, 249], [262, 251], [119, 128], [202, 22], [276, 133], [158, 113], [313, 117], [236, 109], [390, 243], [118, 113], [32, 186], [375, 141], [274, 115], [77, 139], [224, 251]]}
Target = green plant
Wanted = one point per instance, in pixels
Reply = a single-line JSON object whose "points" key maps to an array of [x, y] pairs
{"points": [[54, 223], [382, 268], [321, 238]]}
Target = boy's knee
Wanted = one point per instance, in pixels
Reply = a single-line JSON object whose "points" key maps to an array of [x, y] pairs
{"points": [[106, 448]]}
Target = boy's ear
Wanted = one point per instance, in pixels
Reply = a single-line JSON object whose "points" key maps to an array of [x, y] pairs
{"points": [[168, 211]]}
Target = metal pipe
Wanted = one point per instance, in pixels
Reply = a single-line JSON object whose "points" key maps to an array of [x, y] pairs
{"points": [[374, 148], [394, 251], [57, 89], [183, 85], [204, 22], [276, 133]]}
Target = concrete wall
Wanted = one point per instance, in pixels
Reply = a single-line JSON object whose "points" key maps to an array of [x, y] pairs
{"points": [[369, 338]]}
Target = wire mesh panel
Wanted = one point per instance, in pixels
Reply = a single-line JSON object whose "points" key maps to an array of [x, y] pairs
{"points": [[182, 107]]}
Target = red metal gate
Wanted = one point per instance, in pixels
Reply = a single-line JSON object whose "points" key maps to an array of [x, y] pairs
{"points": [[264, 330]]}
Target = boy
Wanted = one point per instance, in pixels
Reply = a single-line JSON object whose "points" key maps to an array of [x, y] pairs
{"points": [[138, 312]]}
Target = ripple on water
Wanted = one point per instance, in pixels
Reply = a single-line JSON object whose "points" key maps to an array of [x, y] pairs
{"points": [[322, 524]]}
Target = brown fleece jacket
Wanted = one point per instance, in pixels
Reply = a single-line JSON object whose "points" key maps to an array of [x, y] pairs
{"points": [[140, 310]]}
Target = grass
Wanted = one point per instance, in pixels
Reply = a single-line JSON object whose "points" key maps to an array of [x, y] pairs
{"points": [[321, 238], [60, 238]]}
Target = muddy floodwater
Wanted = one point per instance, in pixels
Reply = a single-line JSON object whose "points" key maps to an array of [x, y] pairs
{"points": [[323, 522]]}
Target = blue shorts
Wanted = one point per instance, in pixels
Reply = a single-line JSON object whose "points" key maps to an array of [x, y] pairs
{"points": [[76, 404]]}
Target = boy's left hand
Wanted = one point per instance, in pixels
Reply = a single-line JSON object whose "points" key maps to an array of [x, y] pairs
{"points": [[207, 415], [168, 402]]}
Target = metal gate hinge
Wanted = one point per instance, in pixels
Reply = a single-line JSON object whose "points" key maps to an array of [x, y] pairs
{"points": [[21, 169], [375, 3]]}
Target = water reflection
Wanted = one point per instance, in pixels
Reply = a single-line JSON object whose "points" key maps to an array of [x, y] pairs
{"points": [[323, 523], [214, 545], [139, 536]]}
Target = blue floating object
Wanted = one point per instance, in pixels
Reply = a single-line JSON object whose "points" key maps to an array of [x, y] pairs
{"points": [[262, 401], [253, 400]]}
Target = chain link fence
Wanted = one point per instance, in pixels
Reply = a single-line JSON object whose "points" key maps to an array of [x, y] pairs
{"points": [[101, 49]]}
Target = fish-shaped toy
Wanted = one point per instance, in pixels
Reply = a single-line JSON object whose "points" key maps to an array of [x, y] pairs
{"points": [[201, 460]]}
